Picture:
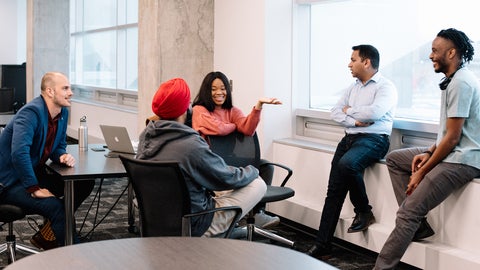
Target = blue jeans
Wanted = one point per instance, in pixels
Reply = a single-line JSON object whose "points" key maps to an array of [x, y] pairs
{"points": [[354, 154], [51, 208]]}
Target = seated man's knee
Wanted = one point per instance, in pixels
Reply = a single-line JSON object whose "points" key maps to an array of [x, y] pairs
{"points": [[53, 208], [347, 166], [391, 157], [259, 185]]}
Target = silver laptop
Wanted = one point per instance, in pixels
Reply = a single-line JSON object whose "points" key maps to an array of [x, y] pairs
{"points": [[117, 140]]}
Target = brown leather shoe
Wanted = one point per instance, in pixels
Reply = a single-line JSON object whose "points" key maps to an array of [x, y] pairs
{"points": [[40, 242]]}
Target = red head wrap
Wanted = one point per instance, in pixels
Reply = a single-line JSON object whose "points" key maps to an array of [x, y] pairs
{"points": [[172, 99]]}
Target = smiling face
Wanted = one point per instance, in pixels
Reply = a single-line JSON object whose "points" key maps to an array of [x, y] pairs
{"points": [[62, 93], [56, 90], [441, 49], [219, 93]]}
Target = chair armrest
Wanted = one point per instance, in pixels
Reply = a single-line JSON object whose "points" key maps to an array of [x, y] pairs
{"points": [[236, 218], [289, 171]]}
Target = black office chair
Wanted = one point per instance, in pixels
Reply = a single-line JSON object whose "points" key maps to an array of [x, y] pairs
{"points": [[163, 198], [240, 150], [8, 214]]}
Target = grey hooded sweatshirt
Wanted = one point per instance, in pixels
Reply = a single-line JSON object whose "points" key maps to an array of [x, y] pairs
{"points": [[204, 171]]}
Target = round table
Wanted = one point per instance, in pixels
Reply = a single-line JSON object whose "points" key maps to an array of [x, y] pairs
{"points": [[170, 253]]}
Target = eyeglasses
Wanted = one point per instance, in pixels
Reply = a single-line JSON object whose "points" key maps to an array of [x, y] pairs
{"points": [[445, 82]]}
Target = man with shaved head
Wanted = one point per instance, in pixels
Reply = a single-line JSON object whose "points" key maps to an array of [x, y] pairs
{"points": [[37, 133]]}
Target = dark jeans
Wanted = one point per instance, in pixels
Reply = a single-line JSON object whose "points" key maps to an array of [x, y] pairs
{"points": [[52, 182], [51, 208], [354, 154]]}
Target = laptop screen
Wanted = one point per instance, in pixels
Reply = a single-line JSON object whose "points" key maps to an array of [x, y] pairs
{"points": [[117, 139]]}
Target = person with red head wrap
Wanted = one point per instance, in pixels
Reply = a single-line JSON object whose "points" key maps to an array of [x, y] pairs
{"points": [[169, 138], [172, 99]]}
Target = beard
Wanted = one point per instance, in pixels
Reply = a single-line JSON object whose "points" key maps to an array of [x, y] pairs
{"points": [[441, 67]]}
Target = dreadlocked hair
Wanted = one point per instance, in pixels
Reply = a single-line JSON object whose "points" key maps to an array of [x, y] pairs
{"points": [[462, 43]]}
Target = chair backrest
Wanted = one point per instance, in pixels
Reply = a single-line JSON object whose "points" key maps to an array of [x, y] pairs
{"points": [[161, 194], [236, 148]]}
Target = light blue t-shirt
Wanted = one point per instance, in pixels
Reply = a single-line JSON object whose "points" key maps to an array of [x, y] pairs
{"points": [[462, 99], [375, 101]]}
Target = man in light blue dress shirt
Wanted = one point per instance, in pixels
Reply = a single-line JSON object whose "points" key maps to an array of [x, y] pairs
{"points": [[366, 111]]}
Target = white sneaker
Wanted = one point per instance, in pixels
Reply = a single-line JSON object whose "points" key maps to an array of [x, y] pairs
{"points": [[263, 220]]}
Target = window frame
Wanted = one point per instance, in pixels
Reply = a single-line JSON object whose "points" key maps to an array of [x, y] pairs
{"points": [[316, 125], [117, 98]]}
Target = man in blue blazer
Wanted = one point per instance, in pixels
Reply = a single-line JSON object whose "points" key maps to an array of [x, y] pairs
{"points": [[35, 134]]}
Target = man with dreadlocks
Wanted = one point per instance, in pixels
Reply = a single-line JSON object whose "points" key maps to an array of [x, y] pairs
{"points": [[424, 177]]}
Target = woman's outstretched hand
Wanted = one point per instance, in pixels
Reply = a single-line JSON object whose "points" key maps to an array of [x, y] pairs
{"points": [[266, 100]]}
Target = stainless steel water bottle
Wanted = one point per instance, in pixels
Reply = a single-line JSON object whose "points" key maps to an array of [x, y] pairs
{"points": [[83, 134]]}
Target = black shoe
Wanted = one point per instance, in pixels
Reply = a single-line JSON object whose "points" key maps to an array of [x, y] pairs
{"points": [[320, 252], [423, 231], [361, 222]]}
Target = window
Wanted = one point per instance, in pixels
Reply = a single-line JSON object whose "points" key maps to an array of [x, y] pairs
{"points": [[402, 31], [104, 46]]}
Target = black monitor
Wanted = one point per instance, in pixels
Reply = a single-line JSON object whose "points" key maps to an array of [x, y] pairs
{"points": [[7, 100], [14, 76]]}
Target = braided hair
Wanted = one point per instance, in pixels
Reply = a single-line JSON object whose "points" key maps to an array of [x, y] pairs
{"points": [[462, 43]]}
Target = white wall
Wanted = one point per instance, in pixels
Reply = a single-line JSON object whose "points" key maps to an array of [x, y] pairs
{"points": [[96, 117], [253, 48], [21, 31], [13, 31], [239, 48]]}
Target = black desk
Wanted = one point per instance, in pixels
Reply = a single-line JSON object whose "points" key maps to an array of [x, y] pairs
{"points": [[171, 253], [89, 165]]}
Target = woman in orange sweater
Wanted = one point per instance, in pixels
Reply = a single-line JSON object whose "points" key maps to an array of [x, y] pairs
{"points": [[214, 114]]}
